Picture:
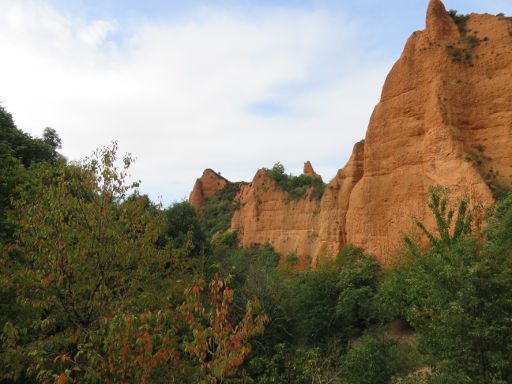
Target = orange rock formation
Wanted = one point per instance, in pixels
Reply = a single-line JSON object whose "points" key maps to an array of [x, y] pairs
{"points": [[309, 171], [205, 187], [444, 118]]}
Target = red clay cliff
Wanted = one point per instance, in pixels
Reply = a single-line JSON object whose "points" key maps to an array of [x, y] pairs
{"points": [[205, 187], [444, 118]]}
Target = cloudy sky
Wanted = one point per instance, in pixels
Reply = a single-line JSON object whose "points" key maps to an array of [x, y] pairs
{"points": [[232, 85]]}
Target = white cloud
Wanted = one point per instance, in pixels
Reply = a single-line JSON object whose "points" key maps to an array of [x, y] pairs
{"points": [[179, 95], [96, 32]]}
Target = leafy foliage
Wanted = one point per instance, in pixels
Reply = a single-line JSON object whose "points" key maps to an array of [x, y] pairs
{"points": [[21, 145], [136, 348], [183, 229], [12, 174], [376, 359], [100, 285], [287, 365], [219, 345], [357, 286], [449, 231], [52, 139], [84, 250], [456, 296], [312, 299], [459, 19], [296, 186], [217, 212], [18, 151]]}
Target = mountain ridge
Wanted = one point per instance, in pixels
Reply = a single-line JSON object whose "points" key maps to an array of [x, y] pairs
{"points": [[444, 118]]}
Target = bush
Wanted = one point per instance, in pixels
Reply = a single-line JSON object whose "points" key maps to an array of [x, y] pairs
{"points": [[460, 19], [457, 294], [84, 251], [311, 299], [357, 286], [183, 229], [217, 212], [376, 359], [296, 186], [292, 259], [472, 40], [286, 365]]}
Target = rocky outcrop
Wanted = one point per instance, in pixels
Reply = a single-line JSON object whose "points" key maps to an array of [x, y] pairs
{"points": [[308, 228], [444, 118], [309, 171], [205, 187]]}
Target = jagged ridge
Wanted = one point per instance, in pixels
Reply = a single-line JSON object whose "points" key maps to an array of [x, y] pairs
{"points": [[445, 118]]}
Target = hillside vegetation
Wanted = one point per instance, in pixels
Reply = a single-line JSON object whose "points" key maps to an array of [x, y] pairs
{"points": [[296, 186], [101, 285]]}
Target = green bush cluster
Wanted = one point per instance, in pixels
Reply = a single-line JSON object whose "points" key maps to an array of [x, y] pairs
{"points": [[460, 19], [217, 212], [296, 186], [18, 152]]}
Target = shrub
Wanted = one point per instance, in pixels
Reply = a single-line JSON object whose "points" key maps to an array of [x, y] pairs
{"points": [[296, 186], [472, 40], [456, 294], [376, 359], [84, 251], [217, 212], [183, 229], [286, 365], [460, 19], [292, 259], [219, 344], [357, 286], [311, 300]]}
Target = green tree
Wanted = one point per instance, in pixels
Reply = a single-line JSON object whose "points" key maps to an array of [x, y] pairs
{"points": [[219, 345], [21, 145], [456, 296], [12, 174], [449, 232], [288, 365], [183, 229], [84, 250], [376, 359], [52, 138], [311, 300], [18, 151], [357, 286]]}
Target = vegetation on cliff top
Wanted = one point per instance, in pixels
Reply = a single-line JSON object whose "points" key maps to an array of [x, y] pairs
{"points": [[459, 19], [296, 186]]}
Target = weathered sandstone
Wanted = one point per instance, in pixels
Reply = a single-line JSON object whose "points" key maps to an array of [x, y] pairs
{"points": [[309, 171], [205, 187], [444, 118]]}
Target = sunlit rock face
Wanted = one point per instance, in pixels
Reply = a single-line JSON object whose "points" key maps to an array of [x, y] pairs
{"points": [[205, 187], [444, 118]]}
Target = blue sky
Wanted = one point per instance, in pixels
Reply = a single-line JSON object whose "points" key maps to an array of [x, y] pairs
{"points": [[187, 85], [389, 22]]}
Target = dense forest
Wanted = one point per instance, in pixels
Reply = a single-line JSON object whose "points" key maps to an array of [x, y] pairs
{"points": [[99, 284]]}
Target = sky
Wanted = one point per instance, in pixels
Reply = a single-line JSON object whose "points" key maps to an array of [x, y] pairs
{"points": [[188, 85]]}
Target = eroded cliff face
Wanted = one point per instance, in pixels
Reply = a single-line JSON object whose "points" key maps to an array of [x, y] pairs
{"points": [[205, 187], [445, 118], [309, 171]]}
